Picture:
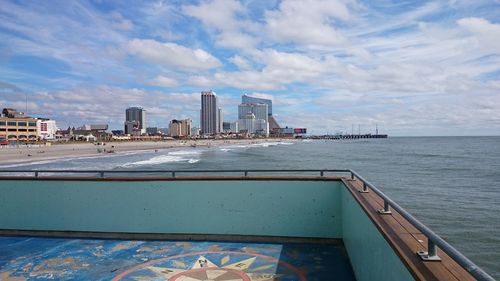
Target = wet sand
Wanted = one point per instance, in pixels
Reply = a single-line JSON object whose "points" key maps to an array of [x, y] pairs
{"points": [[24, 154]]}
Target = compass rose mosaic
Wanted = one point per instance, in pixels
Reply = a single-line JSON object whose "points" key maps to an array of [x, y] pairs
{"points": [[48, 259], [213, 266]]}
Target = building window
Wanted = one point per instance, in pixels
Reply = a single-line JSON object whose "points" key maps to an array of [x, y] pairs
{"points": [[21, 124], [32, 124], [22, 130], [11, 123], [2, 123], [12, 130], [3, 129], [32, 130]]}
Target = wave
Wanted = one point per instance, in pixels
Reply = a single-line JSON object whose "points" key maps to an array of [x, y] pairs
{"points": [[162, 159], [275, 143], [185, 152]]}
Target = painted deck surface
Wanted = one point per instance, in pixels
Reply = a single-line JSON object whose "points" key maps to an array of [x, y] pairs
{"points": [[28, 258]]}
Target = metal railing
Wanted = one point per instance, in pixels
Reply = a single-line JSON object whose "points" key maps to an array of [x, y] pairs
{"points": [[174, 173], [434, 241]]}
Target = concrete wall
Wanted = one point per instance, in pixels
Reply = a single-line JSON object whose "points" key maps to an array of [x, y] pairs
{"points": [[372, 258], [278, 208]]}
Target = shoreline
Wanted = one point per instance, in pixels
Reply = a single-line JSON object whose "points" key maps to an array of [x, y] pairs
{"points": [[26, 155]]}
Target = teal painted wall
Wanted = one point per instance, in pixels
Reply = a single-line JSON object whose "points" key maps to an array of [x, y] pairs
{"points": [[279, 208], [371, 256]]}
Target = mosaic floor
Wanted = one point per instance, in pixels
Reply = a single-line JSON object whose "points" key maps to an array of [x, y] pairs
{"points": [[25, 258]]}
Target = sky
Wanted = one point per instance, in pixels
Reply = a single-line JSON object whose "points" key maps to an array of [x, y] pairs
{"points": [[412, 67]]}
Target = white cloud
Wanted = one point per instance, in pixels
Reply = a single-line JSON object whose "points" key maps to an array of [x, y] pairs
{"points": [[225, 18], [240, 62], [164, 81], [219, 14], [488, 33], [172, 55], [104, 104], [307, 22]]}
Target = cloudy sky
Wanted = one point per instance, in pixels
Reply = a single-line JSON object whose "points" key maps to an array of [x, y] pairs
{"points": [[412, 67]]}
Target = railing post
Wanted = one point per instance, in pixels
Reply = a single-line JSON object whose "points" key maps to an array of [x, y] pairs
{"points": [[36, 174], [365, 188], [431, 254], [246, 173], [352, 176], [101, 174], [173, 174], [321, 173], [386, 210]]}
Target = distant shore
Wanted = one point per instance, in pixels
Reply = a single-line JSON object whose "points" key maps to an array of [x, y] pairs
{"points": [[24, 154]]}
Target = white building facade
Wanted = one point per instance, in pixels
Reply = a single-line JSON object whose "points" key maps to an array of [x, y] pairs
{"points": [[260, 113], [46, 129]]}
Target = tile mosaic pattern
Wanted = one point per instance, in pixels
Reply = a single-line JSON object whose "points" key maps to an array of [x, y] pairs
{"points": [[29, 258]]}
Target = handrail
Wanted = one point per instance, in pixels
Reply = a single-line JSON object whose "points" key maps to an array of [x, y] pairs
{"points": [[174, 173], [433, 239]]}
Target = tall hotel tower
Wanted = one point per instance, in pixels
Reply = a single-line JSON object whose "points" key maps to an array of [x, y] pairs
{"points": [[209, 115], [135, 120]]}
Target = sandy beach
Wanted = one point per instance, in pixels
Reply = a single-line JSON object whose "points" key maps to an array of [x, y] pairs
{"points": [[24, 154]]}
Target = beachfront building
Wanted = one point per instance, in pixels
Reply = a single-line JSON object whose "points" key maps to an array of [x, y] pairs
{"points": [[233, 127], [248, 99], [209, 113], [180, 128], [16, 126], [91, 132], [195, 132], [247, 123], [273, 124], [46, 129], [259, 110], [220, 121], [135, 121], [152, 131]]}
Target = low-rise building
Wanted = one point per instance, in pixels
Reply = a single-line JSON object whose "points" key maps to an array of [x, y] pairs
{"points": [[15, 126], [46, 129], [180, 128]]}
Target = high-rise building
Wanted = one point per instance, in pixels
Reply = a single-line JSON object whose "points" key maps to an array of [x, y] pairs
{"points": [[180, 128], [234, 128], [209, 113], [135, 120], [273, 124], [247, 123], [248, 99], [220, 121], [259, 111]]}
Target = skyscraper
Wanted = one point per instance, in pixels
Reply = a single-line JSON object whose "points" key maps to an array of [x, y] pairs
{"points": [[209, 114], [135, 120], [273, 124], [259, 109], [248, 99], [260, 116], [220, 122]]}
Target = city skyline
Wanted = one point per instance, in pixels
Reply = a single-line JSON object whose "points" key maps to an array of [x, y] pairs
{"points": [[413, 68]]}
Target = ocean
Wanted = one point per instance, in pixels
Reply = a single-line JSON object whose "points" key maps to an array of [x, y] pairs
{"points": [[451, 184]]}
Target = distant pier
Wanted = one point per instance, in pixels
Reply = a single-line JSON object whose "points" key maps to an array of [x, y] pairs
{"points": [[342, 137]]}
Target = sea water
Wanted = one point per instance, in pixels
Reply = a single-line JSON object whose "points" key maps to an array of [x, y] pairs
{"points": [[451, 184]]}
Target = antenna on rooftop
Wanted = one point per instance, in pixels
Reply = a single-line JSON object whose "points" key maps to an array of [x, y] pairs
{"points": [[26, 108], [376, 129]]}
